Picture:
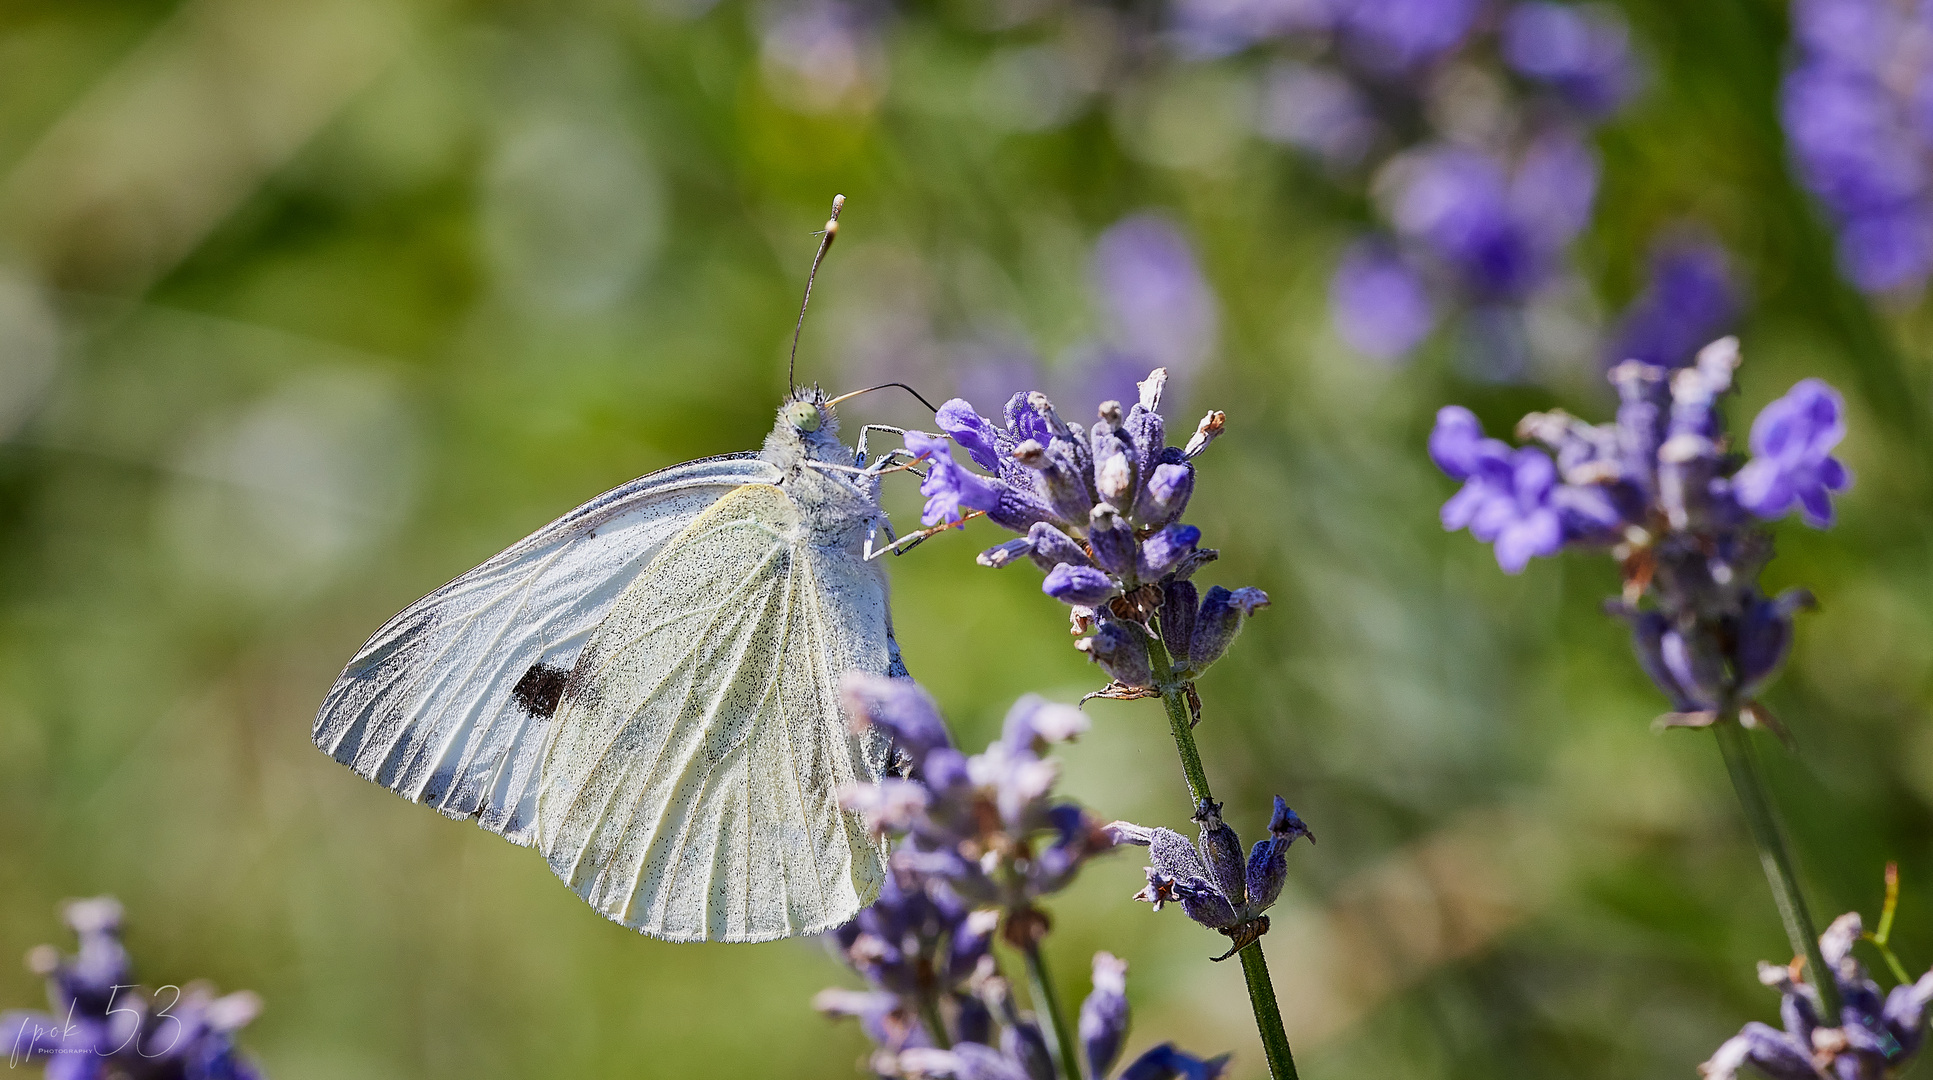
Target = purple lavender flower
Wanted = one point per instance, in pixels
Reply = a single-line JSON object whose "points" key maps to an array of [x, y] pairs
{"points": [[1792, 461], [1581, 52], [1689, 300], [1100, 510], [1210, 880], [101, 1024], [1853, 108], [1658, 489], [1379, 303], [1876, 1037]]}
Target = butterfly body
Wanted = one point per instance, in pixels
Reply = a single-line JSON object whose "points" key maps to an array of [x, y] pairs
{"points": [[646, 691]]}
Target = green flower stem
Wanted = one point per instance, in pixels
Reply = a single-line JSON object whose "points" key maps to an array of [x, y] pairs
{"points": [[1066, 1050], [1735, 744], [1255, 969], [935, 1023], [1174, 695]]}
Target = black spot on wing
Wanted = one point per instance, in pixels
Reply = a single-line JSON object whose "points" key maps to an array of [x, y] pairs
{"points": [[541, 688]]}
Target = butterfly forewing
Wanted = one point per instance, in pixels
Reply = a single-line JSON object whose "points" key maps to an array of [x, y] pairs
{"points": [[691, 786], [450, 704]]}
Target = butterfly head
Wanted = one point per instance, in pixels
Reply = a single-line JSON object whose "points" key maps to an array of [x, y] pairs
{"points": [[802, 415], [807, 428]]}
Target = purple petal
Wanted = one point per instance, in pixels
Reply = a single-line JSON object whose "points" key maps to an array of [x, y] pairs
{"points": [[1082, 585], [1540, 533], [974, 433]]}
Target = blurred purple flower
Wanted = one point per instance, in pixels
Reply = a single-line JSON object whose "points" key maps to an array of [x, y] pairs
{"points": [[1379, 303], [822, 55], [1317, 110], [1689, 300], [996, 803], [1211, 28], [1397, 36], [1855, 117], [1583, 52], [1500, 232], [1161, 308], [1792, 461], [101, 1024]]}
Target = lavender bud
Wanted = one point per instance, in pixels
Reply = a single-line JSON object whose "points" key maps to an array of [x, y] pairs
{"points": [[1221, 852], [1180, 600], [1020, 1037], [972, 940], [1220, 619], [1104, 1015], [1000, 555], [1165, 495], [1165, 550], [1114, 477], [1764, 637], [1695, 664], [1061, 476], [1205, 904], [1112, 540], [1022, 1041], [1111, 416], [1268, 863], [1080, 585], [1050, 548], [973, 1022], [1206, 432], [1148, 432], [1121, 653], [1647, 641]]}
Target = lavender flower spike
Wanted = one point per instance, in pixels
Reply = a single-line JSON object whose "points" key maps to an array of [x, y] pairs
{"points": [[1208, 879], [1792, 461]]}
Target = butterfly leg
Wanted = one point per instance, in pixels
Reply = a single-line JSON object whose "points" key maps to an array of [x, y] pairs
{"points": [[869, 429]]}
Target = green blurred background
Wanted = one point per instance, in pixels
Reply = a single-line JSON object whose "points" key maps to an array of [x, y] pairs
{"points": [[310, 305]]}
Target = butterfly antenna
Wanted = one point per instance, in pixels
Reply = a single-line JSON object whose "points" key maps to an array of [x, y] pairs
{"points": [[827, 236], [885, 385]]}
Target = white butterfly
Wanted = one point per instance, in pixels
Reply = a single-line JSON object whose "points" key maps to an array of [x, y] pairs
{"points": [[646, 689]]}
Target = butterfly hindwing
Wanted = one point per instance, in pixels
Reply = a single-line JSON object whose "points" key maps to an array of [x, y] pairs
{"points": [[691, 786], [450, 703]]}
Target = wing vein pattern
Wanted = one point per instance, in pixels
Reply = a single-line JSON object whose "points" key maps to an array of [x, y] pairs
{"points": [[452, 702], [691, 787]]}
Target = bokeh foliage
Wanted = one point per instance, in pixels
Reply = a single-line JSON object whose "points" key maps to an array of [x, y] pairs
{"points": [[468, 264]]}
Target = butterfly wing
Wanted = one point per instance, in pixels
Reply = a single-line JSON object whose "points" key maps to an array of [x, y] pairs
{"points": [[691, 789], [450, 703]]}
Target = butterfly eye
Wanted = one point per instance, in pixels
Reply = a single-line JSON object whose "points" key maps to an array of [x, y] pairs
{"points": [[802, 415]]}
